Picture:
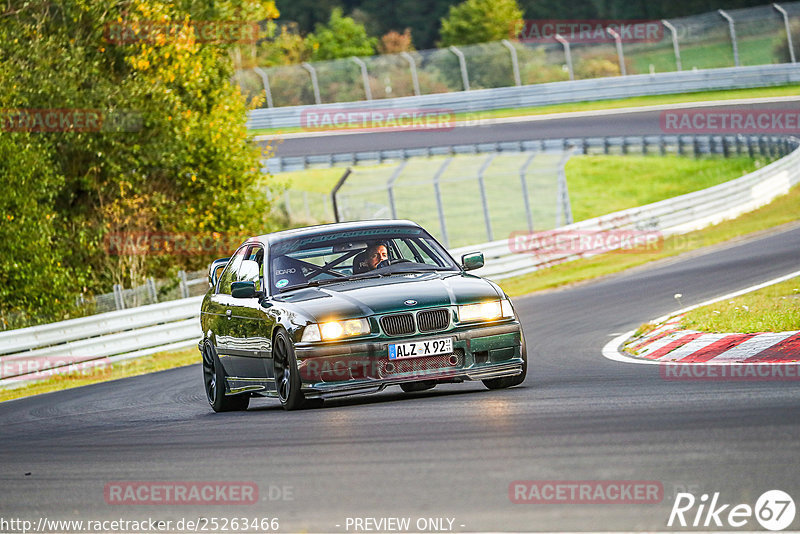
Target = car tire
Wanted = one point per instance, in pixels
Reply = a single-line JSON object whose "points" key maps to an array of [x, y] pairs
{"points": [[411, 387], [287, 379], [510, 381], [214, 382]]}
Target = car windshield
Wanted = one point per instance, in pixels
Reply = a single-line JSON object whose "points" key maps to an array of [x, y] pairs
{"points": [[328, 256]]}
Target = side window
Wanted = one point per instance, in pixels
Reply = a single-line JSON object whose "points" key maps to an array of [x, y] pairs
{"points": [[229, 274]]}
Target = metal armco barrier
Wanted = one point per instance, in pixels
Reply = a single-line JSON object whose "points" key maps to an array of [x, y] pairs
{"points": [[549, 93], [171, 325]]}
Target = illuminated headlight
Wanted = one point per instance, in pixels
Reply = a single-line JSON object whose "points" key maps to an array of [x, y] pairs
{"points": [[485, 311], [336, 330]]}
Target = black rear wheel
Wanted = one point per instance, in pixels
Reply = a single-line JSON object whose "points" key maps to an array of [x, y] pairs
{"points": [[287, 379], [214, 381]]}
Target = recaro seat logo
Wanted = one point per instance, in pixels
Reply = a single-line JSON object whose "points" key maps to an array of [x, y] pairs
{"points": [[773, 510]]}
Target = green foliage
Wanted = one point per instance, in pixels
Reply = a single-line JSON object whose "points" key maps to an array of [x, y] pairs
{"points": [[480, 21], [183, 164], [341, 37]]}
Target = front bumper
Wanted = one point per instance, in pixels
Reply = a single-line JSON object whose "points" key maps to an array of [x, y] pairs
{"points": [[348, 368]]}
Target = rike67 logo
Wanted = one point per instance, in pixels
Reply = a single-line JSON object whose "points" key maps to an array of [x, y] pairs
{"points": [[774, 510]]}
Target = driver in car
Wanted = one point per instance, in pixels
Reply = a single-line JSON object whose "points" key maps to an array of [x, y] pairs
{"points": [[376, 254]]}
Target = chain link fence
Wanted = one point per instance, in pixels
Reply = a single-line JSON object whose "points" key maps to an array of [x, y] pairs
{"points": [[740, 37]]}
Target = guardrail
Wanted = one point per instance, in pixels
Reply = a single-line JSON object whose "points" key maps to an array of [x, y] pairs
{"points": [[170, 325], [549, 93]]}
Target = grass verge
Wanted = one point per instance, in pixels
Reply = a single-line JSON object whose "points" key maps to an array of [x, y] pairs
{"points": [[123, 369], [775, 308], [783, 210], [652, 100]]}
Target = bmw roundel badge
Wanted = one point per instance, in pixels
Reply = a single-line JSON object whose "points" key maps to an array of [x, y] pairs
{"points": [[410, 302]]}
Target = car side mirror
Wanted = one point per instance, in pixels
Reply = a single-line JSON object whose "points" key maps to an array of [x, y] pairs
{"points": [[244, 290], [472, 260]]}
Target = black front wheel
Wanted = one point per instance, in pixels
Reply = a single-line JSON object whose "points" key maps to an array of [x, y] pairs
{"points": [[510, 381], [287, 379], [214, 381], [411, 387]]}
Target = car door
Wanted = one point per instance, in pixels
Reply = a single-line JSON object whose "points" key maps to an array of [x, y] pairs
{"points": [[249, 345]]}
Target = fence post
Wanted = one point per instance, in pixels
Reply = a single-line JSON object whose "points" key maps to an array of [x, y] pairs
{"points": [[151, 287], [336, 188], [675, 47], [620, 55], [119, 301], [439, 206], [364, 76], [463, 64], [265, 80], [484, 199], [785, 16], [522, 176], [314, 83], [412, 66], [732, 28], [390, 187], [565, 211], [567, 54], [183, 284], [514, 61]]}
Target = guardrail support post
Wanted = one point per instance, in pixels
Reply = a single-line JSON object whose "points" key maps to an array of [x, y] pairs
{"points": [[567, 55], [439, 206], [390, 187], [265, 80], [314, 83], [336, 188], [620, 55], [675, 47], [785, 16], [364, 76], [514, 61], [412, 66], [462, 63], [523, 179], [732, 28]]}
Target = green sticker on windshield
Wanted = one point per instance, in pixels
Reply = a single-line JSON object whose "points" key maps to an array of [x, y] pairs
{"points": [[283, 282]]}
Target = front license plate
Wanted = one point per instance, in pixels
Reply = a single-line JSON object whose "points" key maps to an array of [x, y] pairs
{"points": [[416, 349]]}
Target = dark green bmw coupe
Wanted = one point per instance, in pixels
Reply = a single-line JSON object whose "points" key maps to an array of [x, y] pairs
{"points": [[350, 308]]}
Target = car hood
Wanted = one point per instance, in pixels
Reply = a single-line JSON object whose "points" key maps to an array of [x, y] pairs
{"points": [[359, 298]]}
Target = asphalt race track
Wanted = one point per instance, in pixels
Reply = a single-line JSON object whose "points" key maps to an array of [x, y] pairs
{"points": [[447, 453], [615, 123]]}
